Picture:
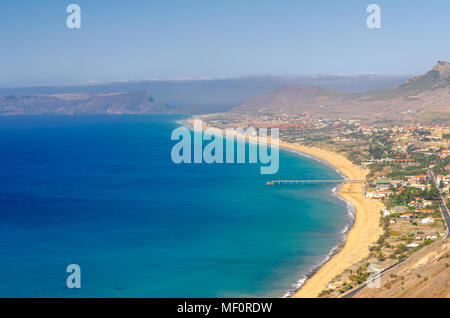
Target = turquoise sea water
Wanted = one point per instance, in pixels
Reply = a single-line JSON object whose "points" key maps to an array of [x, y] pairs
{"points": [[102, 192]]}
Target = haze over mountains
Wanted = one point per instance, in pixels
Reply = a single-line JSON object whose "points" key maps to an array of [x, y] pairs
{"points": [[181, 96], [333, 96], [425, 97], [83, 103]]}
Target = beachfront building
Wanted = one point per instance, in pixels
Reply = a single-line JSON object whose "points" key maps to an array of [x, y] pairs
{"points": [[378, 194], [383, 193]]}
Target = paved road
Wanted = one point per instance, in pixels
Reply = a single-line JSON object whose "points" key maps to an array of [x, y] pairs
{"points": [[357, 289], [446, 216], [444, 208]]}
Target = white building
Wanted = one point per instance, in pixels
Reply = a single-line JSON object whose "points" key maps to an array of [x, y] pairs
{"points": [[427, 220]]}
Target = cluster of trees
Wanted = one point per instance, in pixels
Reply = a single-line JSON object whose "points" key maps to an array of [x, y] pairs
{"points": [[360, 275], [421, 133], [440, 166], [399, 172], [376, 152], [409, 193], [355, 157]]}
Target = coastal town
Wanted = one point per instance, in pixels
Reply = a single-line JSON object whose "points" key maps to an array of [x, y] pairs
{"points": [[223, 157], [407, 168]]}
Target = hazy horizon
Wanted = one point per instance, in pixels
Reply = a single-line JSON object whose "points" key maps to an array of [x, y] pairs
{"points": [[163, 40], [216, 94], [206, 79]]}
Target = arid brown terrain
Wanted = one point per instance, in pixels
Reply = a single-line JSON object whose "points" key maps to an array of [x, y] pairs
{"points": [[425, 274], [425, 97]]}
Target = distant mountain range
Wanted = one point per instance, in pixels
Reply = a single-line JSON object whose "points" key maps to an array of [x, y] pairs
{"points": [[424, 97], [333, 96], [182, 96], [81, 103]]}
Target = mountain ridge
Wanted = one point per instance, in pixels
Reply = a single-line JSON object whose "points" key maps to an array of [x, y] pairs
{"points": [[423, 94], [437, 77], [218, 95], [82, 103]]}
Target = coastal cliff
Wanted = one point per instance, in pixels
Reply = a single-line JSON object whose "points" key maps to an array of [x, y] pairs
{"points": [[82, 104]]}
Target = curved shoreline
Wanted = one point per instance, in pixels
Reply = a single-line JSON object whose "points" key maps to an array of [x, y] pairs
{"points": [[360, 236], [295, 287], [335, 250], [365, 230]]}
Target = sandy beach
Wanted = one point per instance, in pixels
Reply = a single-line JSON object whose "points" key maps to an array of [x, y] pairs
{"points": [[365, 230]]}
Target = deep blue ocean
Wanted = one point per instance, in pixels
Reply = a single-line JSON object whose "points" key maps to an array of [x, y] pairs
{"points": [[102, 192]]}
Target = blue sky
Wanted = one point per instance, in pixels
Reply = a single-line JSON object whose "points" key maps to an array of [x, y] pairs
{"points": [[143, 39]]}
